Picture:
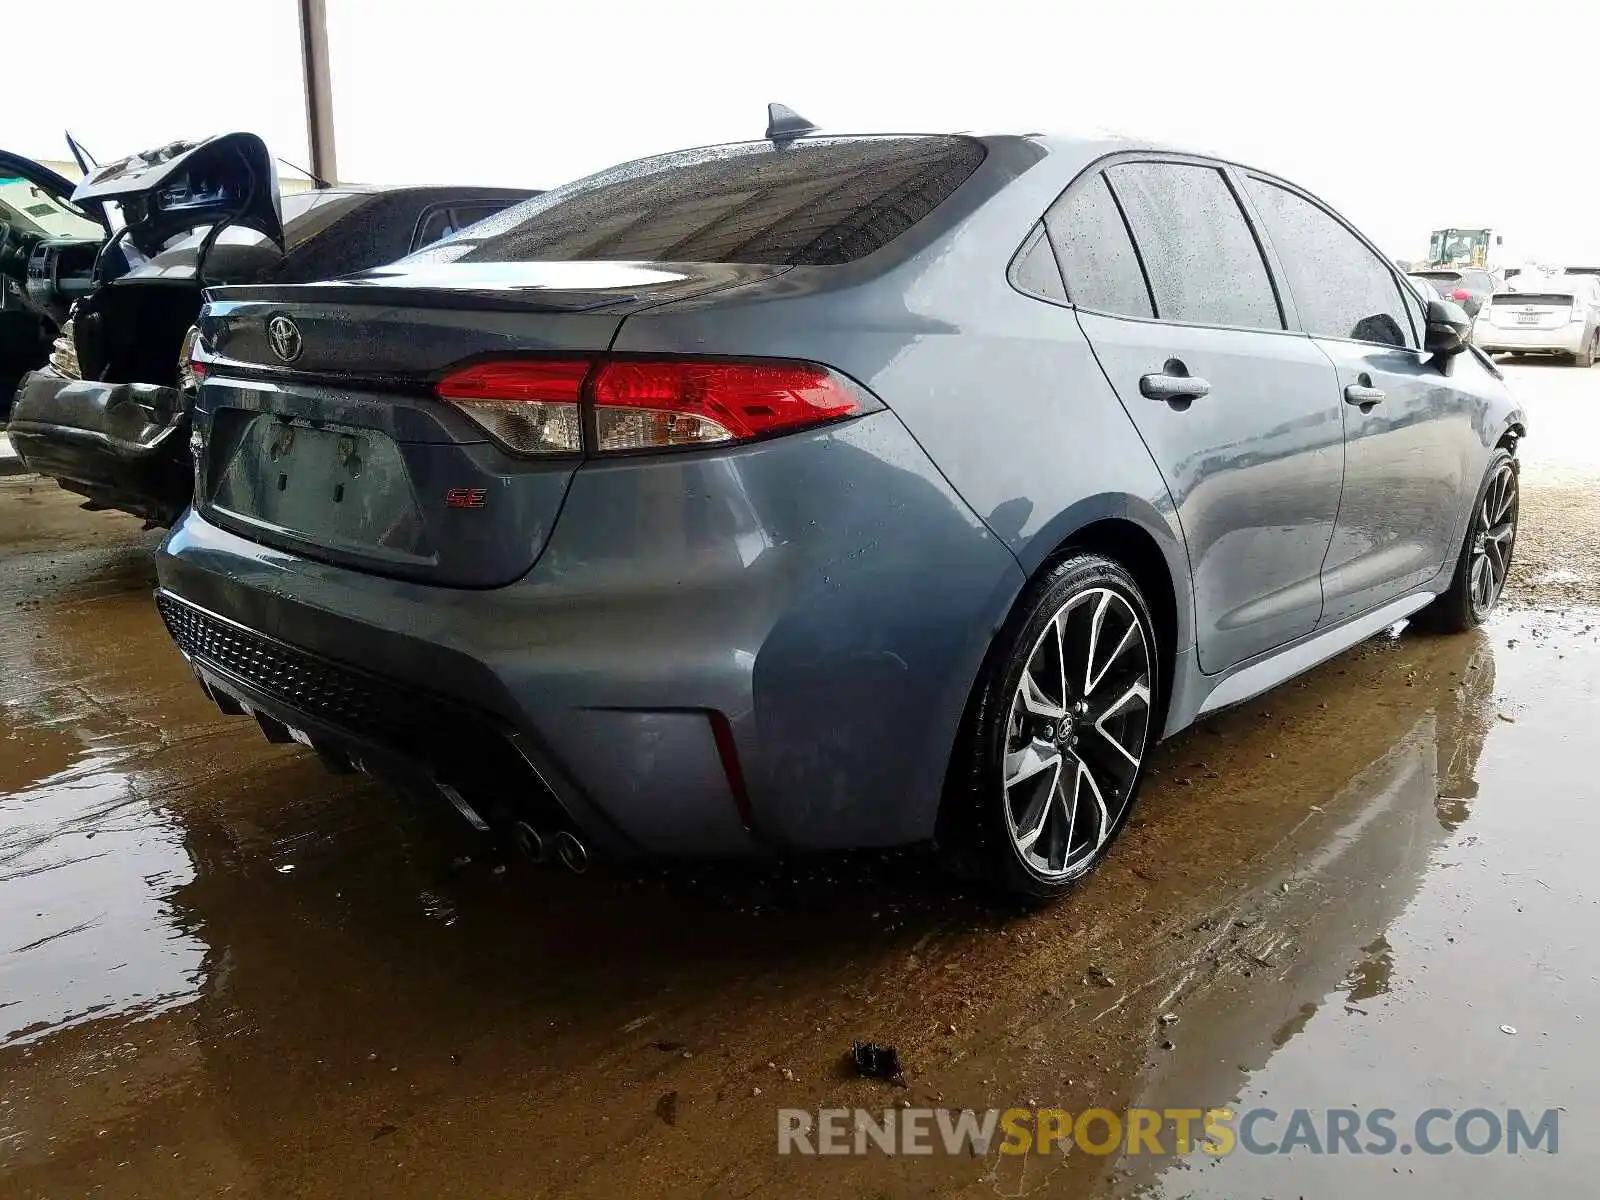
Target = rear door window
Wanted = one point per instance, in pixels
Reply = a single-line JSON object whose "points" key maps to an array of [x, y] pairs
{"points": [[816, 202], [1341, 288], [1096, 254], [1201, 258]]}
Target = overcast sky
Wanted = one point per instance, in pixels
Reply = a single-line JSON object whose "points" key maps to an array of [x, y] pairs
{"points": [[1404, 115]]}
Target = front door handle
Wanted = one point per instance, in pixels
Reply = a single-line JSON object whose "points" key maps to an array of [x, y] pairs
{"points": [[1173, 383], [1363, 394]]}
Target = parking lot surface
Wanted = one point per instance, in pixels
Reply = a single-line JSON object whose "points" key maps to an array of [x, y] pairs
{"points": [[223, 970]]}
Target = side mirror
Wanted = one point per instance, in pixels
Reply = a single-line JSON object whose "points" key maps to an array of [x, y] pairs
{"points": [[1447, 329]]}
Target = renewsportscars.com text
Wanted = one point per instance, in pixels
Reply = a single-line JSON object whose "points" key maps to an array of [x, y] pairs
{"points": [[1158, 1131]]}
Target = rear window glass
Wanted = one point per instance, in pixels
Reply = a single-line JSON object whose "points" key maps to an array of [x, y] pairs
{"points": [[306, 214], [816, 202], [1541, 298]]}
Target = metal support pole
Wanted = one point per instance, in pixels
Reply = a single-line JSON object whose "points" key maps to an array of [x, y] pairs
{"points": [[319, 88]]}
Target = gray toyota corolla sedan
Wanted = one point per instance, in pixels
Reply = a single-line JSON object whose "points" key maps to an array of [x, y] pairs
{"points": [[823, 492]]}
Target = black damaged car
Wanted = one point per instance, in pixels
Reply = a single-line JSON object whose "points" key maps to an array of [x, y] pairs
{"points": [[108, 415]]}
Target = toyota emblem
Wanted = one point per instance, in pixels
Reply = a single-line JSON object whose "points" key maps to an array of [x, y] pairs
{"points": [[284, 337]]}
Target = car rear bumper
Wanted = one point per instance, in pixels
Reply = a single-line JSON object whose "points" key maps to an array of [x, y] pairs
{"points": [[123, 445], [1564, 339], [717, 653]]}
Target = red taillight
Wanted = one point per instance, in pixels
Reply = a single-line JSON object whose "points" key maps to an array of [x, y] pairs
{"points": [[529, 406], [1460, 294], [549, 381], [191, 367], [640, 405], [533, 405]]}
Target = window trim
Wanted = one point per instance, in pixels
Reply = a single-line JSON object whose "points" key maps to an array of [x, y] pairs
{"points": [[1097, 168], [1411, 303], [1138, 254], [1394, 273]]}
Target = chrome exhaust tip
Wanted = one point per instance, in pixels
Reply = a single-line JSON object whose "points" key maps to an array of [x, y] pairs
{"points": [[571, 852], [459, 802], [529, 843]]}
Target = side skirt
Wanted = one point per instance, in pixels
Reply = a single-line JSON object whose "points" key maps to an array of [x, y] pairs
{"points": [[1197, 694]]}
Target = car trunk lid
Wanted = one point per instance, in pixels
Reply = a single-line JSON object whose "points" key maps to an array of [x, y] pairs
{"points": [[318, 431], [1537, 310]]}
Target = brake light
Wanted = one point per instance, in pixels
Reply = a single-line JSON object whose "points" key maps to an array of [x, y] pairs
{"points": [[191, 367], [534, 406], [1460, 294], [652, 405], [530, 406]]}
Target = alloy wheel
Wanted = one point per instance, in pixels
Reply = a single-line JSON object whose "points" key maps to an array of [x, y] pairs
{"points": [[1077, 733], [1494, 536]]}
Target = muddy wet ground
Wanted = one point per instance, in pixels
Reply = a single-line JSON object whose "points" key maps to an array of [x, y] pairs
{"points": [[225, 971]]}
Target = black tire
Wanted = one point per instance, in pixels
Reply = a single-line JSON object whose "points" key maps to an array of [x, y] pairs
{"points": [[1464, 605], [986, 818], [1586, 358]]}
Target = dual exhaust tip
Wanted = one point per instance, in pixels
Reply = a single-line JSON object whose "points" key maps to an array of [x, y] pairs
{"points": [[563, 845], [538, 847]]}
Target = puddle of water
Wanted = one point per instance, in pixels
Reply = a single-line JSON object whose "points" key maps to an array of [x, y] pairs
{"points": [[1341, 890], [1481, 920], [86, 866], [31, 749]]}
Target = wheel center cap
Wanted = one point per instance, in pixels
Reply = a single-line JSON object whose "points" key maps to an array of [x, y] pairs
{"points": [[1067, 730]]}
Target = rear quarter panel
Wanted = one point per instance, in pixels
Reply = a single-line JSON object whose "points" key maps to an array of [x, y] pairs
{"points": [[1000, 389]]}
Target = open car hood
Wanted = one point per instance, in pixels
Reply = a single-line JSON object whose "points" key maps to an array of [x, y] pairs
{"points": [[225, 179]]}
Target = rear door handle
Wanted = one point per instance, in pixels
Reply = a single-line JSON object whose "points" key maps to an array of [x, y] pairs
{"points": [[1363, 394], [1173, 385]]}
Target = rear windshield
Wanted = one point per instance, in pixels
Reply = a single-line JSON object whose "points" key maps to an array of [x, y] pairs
{"points": [[1532, 298], [308, 213], [816, 202]]}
